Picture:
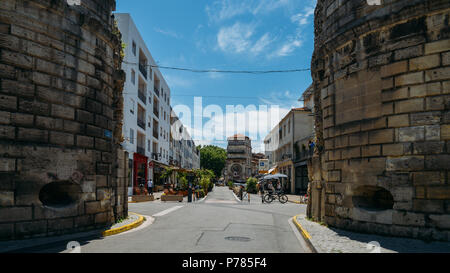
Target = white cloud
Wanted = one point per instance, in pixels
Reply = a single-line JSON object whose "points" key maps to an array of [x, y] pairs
{"points": [[261, 44], [235, 39], [168, 33], [287, 48], [177, 81], [302, 18]]}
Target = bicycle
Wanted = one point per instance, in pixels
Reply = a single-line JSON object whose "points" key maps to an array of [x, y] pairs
{"points": [[268, 198]]}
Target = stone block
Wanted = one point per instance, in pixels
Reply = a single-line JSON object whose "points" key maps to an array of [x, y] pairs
{"points": [[405, 163], [372, 150], [93, 207], [62, 111], [102, 218], [438, 192], [59, 138], [398, 121], [394, 69], [438, 162], [437, 74], [49, 123], [445, 132], [60, 224], [441, 221], [85, 141], [8, 102], [381, 136], [24, 229], [425, 62], [430, 206], [423, 90], [432, 133], [353, 152], [36, 135], [408, 219], [7, 164], [85, 117], [436, 47], [425, 118], [395, 149], [410, 105], [428, 178], [409, 134], [7, 132], [429, 147], [6, 197], [14, 214]]}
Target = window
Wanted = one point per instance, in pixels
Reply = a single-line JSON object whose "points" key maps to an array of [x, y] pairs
{"points": [[151, 73], [131, 136], [289, 126], [134, 48], [149, 146], [132, 106], [133, 77]]}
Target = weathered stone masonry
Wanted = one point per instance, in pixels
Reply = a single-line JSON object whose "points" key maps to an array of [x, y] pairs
{"points": [[61, 166], [382, 92]]}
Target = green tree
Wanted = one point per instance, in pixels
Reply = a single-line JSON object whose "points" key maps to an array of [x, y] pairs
{"points": [[251, 185], [213, 158]]}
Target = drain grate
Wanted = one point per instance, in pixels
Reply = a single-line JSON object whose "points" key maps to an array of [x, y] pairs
{"points": [[238, 239]]}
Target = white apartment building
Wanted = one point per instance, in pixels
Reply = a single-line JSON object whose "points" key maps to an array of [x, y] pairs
{"points": [[147, 109]]}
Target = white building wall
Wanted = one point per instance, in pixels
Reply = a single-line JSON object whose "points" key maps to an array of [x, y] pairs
{"points": [[131, 34]]}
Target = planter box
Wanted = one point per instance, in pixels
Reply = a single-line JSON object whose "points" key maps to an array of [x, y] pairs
{"points": [[178, 198], [142, 198]]}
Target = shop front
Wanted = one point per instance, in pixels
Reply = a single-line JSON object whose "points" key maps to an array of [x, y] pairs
{"points": [[140, 171]]}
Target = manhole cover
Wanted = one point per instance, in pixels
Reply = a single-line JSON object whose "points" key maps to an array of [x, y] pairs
{"points": [[238, 239]]}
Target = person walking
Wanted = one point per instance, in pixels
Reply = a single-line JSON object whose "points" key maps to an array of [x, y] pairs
{"points": [[150, 186], [261, 191]]}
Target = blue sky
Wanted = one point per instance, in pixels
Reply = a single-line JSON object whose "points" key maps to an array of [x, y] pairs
{"points": [[229, 35]]}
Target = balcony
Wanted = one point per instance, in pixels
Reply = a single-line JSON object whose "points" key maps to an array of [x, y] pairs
{"points": [[141, 123], [155, 134], [140, 150], [156, 91], [156, 156], [156, 111], [143, 69], [142, 97], [235, 151], [305, 154]]}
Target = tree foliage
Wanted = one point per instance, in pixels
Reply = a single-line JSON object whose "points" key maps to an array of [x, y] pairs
{"points": [[213, 158]]}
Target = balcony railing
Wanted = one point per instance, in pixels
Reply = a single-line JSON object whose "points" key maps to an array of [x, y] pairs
{"points": [[155, 133], [140, 150], [236, 151], [156, 91], [143, 69], [305, 154], [142, 96], [141, 123], [156, 156], [156, 112]]}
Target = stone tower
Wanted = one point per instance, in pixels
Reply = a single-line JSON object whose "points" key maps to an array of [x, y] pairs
{"points": [[382, 97], [61, 166], [239, 158]]}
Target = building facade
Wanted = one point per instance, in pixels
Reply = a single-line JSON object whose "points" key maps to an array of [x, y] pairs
{"points": [[62, 169], [147, 108], [381, 90], [238, 167], [184, 153], [283, 147]]}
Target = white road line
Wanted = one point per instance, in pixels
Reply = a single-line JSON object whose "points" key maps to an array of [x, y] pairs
{"points": [[167, 211]]}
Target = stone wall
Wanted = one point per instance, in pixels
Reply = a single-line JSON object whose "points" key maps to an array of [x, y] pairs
{"points": [[382, 96], [62, 169]]}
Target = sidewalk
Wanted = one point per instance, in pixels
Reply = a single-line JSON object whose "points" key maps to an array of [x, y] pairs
{"points": [[331, 240]]}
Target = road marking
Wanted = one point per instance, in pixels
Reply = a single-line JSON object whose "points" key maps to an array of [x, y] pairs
{"points": [[299, 237], [167, 211]]}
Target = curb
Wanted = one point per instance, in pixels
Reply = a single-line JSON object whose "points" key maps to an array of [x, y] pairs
{"points": [[305, 234], [118, 230]]}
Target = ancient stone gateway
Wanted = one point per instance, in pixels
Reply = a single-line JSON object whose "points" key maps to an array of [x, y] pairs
{"points": [[61, 167], [382, 93]]}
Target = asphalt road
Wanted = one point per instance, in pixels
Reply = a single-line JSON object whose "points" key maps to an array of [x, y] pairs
{"points": [[218, 224]]}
